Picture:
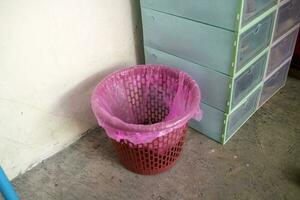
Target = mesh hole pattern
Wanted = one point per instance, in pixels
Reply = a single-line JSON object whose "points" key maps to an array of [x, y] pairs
{"points": [[146, 104], [154, 157]]}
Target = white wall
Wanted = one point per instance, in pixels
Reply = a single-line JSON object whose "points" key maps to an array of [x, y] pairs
{"points": [[52, 53]]}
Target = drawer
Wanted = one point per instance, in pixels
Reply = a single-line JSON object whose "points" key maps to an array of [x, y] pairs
{"points": [[212, 123], [240, 115], [282, 51], [288, 16], [202, 44], [253, 8], [247, 80], [274, 83], [254, 40], [218, 13], [215, 87], [216, 124], [199, 43]]}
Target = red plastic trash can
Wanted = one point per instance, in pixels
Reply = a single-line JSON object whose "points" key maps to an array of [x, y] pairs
{"points": [[144, 111]]}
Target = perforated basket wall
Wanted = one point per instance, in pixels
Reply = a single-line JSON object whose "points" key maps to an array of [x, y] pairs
{"points": [[145, 110], [154, 157]]}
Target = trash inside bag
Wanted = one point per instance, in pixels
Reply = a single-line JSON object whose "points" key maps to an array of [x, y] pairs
{"points": [[144, 102]]}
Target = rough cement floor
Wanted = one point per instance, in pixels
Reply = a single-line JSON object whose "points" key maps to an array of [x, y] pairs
{"points": [[262, 161]]}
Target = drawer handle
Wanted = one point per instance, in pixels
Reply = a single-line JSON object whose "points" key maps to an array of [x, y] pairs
{"points": [[244, 103], [257, 29], [154, 56], [286, 39], [249, 71]]}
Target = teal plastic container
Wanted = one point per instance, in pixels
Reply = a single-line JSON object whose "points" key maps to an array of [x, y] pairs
{"points": [[218, 49], [227, 14]]}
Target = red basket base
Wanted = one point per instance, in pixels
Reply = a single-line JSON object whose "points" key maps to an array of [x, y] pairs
{"points": [[151, 158]]}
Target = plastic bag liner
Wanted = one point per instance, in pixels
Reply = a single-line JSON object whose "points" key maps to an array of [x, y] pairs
{"points": [[145, 102]]}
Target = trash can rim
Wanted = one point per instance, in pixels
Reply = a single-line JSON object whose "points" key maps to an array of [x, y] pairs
{"points": [[110, 121]]}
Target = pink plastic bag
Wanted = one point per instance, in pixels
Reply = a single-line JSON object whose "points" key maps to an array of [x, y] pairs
{"points": [[144, 102]]}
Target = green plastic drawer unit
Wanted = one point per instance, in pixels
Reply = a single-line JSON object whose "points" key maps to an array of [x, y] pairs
{"points": [[215, 48], [221, 126], [282, 50], [288, 16], [274, 82], [226, 14], [218, 90]]}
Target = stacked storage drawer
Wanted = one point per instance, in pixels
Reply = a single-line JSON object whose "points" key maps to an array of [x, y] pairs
{"points": [[224, 45], [282, 48]]}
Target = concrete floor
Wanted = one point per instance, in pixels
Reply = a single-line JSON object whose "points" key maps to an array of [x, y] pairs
{"points": [[262, 161]]}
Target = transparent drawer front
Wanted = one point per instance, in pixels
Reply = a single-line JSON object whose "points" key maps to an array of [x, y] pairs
{"points": [[275, 82], [282, 51], [245, 82], [254, 40], [253, 8], [242, 113], [288, 16]]}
